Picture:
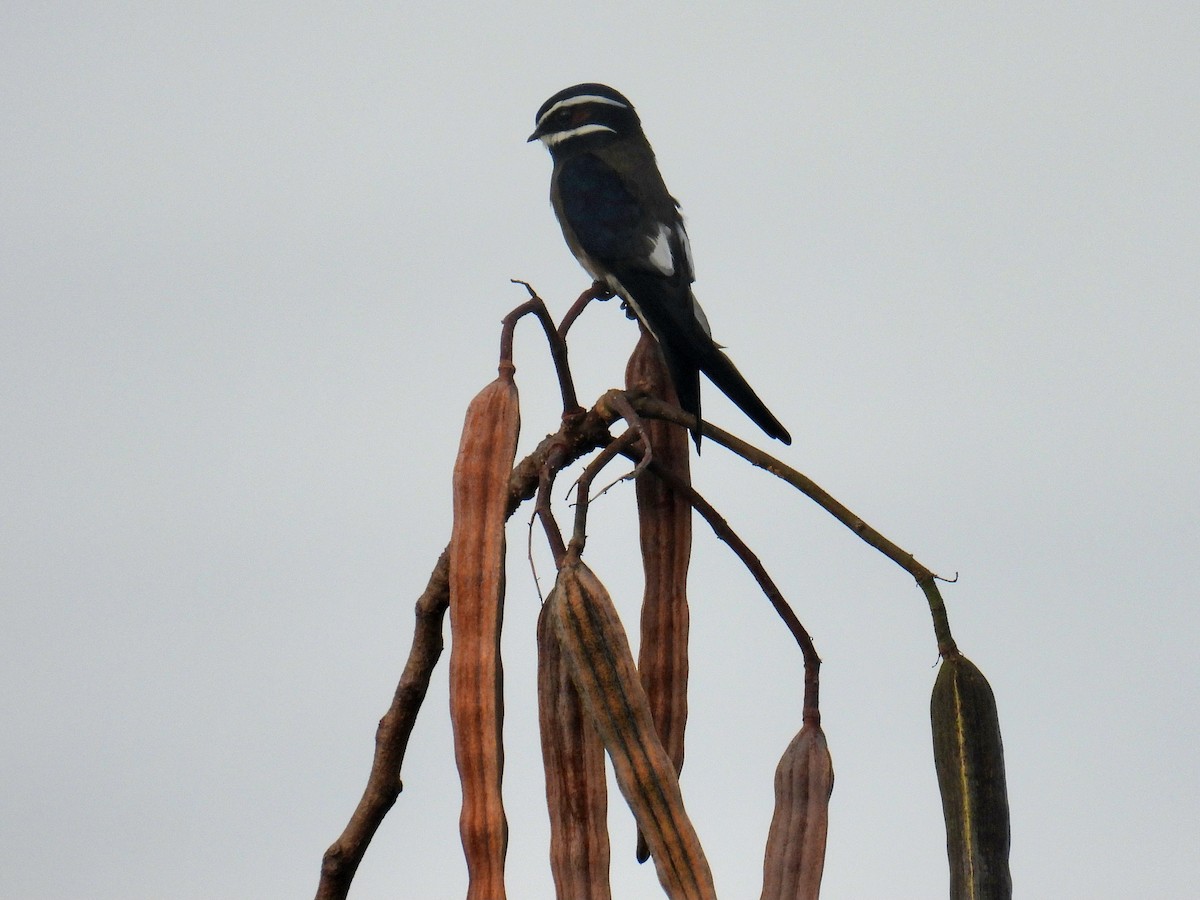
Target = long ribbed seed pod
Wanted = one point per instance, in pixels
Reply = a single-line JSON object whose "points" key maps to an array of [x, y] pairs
{"points": [[665, 530], [969, 756], [601, 666], [576, 783], [485, 459], [795, 856]]}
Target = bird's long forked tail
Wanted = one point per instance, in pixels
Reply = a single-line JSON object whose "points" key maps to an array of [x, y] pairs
{"points": [[724, 374], [685, 374]]}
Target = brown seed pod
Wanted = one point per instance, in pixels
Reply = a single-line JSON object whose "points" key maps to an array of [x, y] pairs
{"points": [[485, 459], [598, 657], [795, 855], [969, 756], [665, 531], [576, 783]]}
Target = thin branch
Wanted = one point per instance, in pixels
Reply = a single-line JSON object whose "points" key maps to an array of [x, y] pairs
{"points": [[557, 342], [925, 577], [598, 291], [621, 404], [342, 858], [543, 511], [584, 484], [723, 530]]}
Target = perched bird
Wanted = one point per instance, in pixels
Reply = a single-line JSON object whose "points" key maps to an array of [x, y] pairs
{"points": [[625, 229]]}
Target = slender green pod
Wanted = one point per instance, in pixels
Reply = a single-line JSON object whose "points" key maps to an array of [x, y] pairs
{"points": [[969, 756]]}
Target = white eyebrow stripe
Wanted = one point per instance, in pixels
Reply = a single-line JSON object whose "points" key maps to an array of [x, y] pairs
{"points": [[575, 101], [558, 137]]}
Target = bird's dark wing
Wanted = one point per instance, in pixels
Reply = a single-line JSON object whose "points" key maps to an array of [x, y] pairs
{"points": [[648, 262], [647, 256]]}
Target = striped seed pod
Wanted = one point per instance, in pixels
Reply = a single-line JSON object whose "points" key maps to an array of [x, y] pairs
{"points": [[600, 662], [969, 756], [485, 458], [795, 855], [665, 531], [576, 782]]}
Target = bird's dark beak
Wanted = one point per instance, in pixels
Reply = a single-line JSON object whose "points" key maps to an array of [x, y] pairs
{"points": [[537, 133]]}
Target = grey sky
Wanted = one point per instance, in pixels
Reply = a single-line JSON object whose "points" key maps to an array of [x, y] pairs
{"points": [[252, 269]]}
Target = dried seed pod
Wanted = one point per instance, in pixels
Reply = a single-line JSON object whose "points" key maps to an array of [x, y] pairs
{"points": [[485, 459], [795, 855], [969, 756], [665, 530], [576, 783], [601, 666]]}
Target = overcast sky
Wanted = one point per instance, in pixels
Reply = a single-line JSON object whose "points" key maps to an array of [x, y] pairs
{"points": [[252, 266]]}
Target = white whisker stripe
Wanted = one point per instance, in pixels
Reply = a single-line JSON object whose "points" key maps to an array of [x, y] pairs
{"points": [[575, 101], [558, 137]]}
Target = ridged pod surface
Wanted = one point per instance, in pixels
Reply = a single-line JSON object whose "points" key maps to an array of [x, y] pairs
{"points": [[576, 781], [795, 855], [665, 532], [598, 657], [485, 459], [969, 756]]}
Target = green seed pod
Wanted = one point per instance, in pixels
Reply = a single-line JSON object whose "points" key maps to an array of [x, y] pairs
{"points": [[969, 756]]}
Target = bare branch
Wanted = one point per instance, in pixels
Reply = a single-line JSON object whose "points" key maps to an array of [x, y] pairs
{"points": [[597, 291], [584, 485], [723, 530], [925, 577], [557, 342], [342, 858], [543, 510]]}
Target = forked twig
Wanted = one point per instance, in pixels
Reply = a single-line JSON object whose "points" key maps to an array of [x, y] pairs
{"points": [[557, 342]]}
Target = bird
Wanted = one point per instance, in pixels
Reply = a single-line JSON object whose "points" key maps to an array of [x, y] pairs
{"points": [[626, 230]]}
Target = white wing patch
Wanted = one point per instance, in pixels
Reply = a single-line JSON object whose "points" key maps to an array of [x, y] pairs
{"points": [[661, 256]]}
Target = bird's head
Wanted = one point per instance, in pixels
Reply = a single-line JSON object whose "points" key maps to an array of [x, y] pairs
{"points": [[585, 113]]}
